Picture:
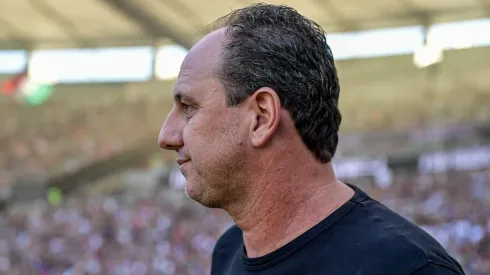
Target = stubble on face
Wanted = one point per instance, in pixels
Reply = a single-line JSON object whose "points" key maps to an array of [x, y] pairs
{"points": [[216, 173]]}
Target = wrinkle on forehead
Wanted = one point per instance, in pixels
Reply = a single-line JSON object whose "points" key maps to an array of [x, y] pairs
{"points": [[190, 75], [200, 89]]}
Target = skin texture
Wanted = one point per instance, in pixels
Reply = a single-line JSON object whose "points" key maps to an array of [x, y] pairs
{"points": [[247, 159]]}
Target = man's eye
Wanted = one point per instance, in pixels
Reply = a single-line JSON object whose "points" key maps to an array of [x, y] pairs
{"points": [[188, 109]]}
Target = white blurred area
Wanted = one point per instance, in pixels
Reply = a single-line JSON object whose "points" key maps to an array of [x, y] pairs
{"points": [[136, 63], [168, 61]]}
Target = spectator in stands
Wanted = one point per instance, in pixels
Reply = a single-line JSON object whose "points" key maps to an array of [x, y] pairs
{"points": [[255, 124]]}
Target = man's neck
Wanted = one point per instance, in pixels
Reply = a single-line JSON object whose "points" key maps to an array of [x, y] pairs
{"points": [[285, 209]]}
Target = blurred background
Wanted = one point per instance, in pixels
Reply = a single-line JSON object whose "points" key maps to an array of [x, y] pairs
{"points": [[86, 85]]}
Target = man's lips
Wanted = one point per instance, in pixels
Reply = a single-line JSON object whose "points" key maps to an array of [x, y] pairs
{"points": [[182, 161]]}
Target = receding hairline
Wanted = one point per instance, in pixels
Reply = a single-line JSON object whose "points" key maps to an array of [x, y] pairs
{"points": [[207, 51]]}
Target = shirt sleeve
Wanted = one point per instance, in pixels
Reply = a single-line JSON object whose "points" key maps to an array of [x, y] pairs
{"points": [[434, 269]]}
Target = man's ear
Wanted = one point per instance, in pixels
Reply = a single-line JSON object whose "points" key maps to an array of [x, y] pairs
{"points": [[265, 106]]}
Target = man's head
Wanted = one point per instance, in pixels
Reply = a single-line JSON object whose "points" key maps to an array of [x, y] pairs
{"points": [[257, 88]]}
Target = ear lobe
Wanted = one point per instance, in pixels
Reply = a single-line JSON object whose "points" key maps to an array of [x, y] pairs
{"points": [[266, 107]]}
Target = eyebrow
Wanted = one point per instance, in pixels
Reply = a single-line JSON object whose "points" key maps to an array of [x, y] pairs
{"points": [[181, 96]]}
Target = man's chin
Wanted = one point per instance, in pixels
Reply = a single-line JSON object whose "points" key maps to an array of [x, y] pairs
{"points": [[200, 197], [192, 192]]}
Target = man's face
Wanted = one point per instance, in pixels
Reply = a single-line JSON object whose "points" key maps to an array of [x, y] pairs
{"points": [[207, 135]]}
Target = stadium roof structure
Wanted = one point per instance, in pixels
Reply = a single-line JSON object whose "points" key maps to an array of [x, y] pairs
{"points": [[32, 24]]}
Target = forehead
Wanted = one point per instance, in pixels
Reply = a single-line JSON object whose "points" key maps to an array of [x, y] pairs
{"points": [[198, 66]]}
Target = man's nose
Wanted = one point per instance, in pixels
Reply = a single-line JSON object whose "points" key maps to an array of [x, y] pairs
{"points": [[170, 137]]}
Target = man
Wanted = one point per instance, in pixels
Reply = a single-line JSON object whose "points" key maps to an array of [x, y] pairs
{"points": [[255, 125]]}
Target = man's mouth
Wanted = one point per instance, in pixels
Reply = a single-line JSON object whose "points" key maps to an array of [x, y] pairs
{"points": [[182, 161]]}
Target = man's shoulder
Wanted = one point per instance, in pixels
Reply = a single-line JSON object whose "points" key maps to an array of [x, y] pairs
{"points": [[380, 239]]}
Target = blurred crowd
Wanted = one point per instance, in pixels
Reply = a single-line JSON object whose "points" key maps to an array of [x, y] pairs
{"points": [[35, 144], [166, 233], [158, 235]]}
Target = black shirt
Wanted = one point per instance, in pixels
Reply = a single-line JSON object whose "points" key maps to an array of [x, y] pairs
{"points": [[362, 237]]}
